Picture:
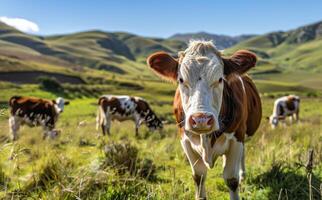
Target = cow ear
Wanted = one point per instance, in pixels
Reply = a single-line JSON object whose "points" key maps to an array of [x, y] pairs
{"points": [[164, 65], [54, 101], [240, 62], [66, 103]]}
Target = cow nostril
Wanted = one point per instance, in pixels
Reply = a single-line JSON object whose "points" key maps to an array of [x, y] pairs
{"points": [[210, 121], [192, 121]]}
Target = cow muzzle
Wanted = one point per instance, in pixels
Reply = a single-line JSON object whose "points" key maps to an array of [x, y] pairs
{"points": [[201, 123]]}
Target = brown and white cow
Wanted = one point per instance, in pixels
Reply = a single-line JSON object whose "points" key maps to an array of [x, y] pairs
{"points": [[121, 108], [34, 111], [216, 105], [287, 106]]}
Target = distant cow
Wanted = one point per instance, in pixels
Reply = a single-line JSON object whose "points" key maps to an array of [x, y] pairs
{"points": [[34, 111], [216, 105], [287, 106], [123, 108]]}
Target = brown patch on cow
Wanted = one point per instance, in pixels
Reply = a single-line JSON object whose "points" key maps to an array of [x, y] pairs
{"points": [[290, 103], [142, 106], [164, 65], [233, 114], [254, 106], [34, 108], [240, 62], [178, 111], [111, 102]]}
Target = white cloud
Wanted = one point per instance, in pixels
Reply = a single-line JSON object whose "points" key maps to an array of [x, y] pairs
{"points": [[21, 24]]}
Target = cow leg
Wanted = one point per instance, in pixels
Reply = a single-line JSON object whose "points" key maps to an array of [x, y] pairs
{"points": [[136, 131], [106, 125], [137, 125], [297, 116], [232, 166], [199, 170], [46, 132], [242, 172], [14, 125]]}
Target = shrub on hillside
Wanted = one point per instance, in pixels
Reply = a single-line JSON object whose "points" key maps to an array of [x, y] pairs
{"points": [[124, 158], [50, 84], [52, 172]]}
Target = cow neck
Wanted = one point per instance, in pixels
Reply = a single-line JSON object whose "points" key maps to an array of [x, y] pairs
{"points": [[148, 114]]}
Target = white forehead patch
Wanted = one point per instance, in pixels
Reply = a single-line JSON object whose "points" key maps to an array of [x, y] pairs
{"points": [[201, 59], [193, 68]]}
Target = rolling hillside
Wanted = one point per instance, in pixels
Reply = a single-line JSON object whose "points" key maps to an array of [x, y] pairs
{"points": [[298, 49], [293, 56], [115, 53], [111, 56]]}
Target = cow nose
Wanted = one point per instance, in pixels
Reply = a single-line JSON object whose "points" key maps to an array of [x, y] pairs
{"points": [[201, 121]]}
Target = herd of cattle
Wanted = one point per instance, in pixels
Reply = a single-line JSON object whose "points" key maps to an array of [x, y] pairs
{"points": [[216, 106]]}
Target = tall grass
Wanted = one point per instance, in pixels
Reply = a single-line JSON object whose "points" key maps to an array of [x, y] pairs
{"points": [[82, 164]]}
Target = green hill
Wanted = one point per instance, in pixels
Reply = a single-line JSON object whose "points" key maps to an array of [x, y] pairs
{"points": [[116, 53], [293, 56], [283, 55]]}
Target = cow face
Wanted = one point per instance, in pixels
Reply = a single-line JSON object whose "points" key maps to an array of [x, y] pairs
{"points": [[60, 104], [273, 120], [200, 72], [54, 134], [200, 79]]}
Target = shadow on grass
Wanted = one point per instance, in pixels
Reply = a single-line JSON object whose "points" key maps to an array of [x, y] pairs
{"points": [[286, 182]]}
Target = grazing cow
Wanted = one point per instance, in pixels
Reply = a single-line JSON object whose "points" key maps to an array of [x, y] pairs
{"points": [[216, 105], [35, 112], [121, 108], [287, 106]]}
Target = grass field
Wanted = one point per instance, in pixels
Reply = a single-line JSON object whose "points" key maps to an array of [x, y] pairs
{"points": [[75, 166]]}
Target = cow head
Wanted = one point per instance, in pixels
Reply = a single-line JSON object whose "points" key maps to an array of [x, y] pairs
{"points": [[59, 104], [54, 133], [273, 120], [153, 122], [200, 72]]}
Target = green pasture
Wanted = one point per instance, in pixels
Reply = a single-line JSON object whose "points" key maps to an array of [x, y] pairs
{"points": [[69, 167]]}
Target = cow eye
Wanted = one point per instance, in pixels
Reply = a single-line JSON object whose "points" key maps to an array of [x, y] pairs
{"points": [[184, 83], [216, 83], [220, 80]]}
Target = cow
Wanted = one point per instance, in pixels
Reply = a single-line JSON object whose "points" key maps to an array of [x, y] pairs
{"points": [[121, 108], [34, 111], [216, 105], [286, 106]]}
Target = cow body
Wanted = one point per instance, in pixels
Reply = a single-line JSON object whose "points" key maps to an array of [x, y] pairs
{"points": [[215, 106], [287, 106], [34, 111], [121, 108]]}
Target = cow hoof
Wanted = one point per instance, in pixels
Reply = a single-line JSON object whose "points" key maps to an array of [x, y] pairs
{"points": [[232, 183]]}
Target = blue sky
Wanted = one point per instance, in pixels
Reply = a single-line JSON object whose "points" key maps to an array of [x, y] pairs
{"points": [[164, 18]]}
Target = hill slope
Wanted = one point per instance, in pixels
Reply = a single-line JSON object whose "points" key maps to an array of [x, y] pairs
{"points": [[295, 49], [284, 56], [116, 53]]}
